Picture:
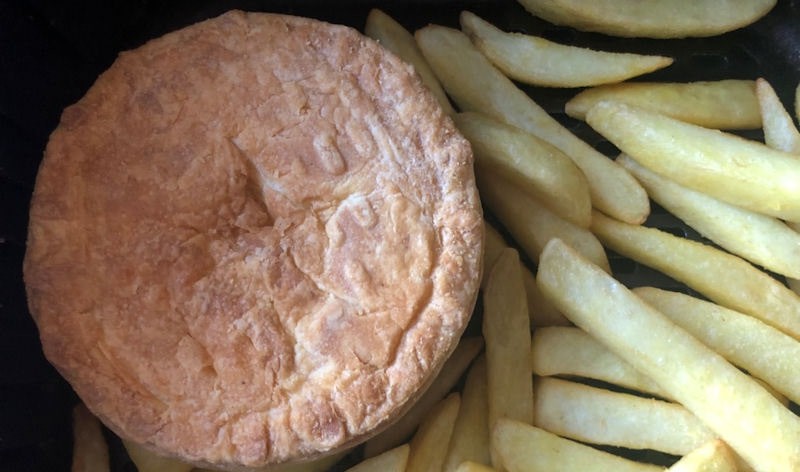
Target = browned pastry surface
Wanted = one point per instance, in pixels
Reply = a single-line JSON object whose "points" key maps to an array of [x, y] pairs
{"points": [[253, 240]]}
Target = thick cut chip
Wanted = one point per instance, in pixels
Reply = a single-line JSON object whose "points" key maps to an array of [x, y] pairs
{"points": [[570, 351], [394, 37], [508, 344], [147, 461], [393, 460], [599, 416], [535, 166], [739, 410], [526, 448], [531, 224], [651, 18], [722, 277], [541, 311], [476, 85], [493, 246], [797, 102], [469, 466], [761, 239], [534, 60], [761, 350], [780, 131], [470, 438], [794, 284], [429, 445], [89, 447], [721, 104], [713, 456], [737, 170]]}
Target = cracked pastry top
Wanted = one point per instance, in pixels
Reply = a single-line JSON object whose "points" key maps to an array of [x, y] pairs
{"points": [[254, 240]]}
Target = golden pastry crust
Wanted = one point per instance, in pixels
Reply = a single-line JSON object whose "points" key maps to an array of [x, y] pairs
{"points": [[253, 241]]}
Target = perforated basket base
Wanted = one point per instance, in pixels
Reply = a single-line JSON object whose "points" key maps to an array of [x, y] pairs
{"points": [[52, 51]]}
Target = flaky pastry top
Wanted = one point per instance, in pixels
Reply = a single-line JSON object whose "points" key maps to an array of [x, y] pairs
{"points": [[254, 240]]}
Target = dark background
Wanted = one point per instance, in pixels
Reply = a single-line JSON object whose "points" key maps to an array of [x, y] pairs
{"points": [[51, 52]]}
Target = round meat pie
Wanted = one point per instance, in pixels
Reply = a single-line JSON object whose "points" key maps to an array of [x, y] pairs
{"points": [[254, 241]]}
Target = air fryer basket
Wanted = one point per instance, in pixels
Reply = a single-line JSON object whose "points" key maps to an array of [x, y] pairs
{"points": [[52, 51]]}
